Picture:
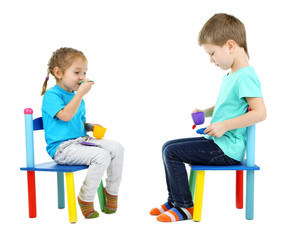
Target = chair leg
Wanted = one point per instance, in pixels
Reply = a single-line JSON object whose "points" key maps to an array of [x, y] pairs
{"points": [[101, 196], [198, 196], [250, 195], [60, 190], [71, 197], [192, 182], [32, 194], [239, 189]]}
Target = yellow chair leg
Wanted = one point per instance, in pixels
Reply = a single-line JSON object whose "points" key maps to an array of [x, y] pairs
{"points": [[198, 196], [71, 197]]}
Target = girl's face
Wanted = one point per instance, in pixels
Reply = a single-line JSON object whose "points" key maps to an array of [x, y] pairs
{"points": [[73, 75], [220, 56]]}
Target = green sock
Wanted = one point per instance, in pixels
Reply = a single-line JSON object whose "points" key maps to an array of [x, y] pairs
{"points": [[111, 203], [87, 209]]}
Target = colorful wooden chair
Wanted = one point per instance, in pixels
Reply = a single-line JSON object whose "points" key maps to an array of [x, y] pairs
{"points": [[37, 124], [196, 179]]}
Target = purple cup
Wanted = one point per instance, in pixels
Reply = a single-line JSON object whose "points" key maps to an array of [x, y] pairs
{"points": [[198, 118]]}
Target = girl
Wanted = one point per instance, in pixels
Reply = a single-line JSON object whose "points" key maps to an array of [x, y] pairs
{"points": [[64, 120], [223, 37]]}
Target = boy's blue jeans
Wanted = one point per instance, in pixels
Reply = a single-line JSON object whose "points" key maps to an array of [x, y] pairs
{"points": [[194, 151]]}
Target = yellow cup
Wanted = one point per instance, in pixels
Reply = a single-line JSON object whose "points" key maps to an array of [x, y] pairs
{"points": [[99, 131]]}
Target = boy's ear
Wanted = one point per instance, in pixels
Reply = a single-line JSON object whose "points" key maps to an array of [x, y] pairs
{"points": [[57, 72], [231, 45]]}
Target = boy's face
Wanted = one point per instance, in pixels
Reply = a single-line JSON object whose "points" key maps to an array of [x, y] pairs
{"points": [[220, 56]]}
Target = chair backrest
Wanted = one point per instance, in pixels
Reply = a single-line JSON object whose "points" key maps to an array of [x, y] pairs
{"points": [[250, 146], [30, 126], [38, 124]]}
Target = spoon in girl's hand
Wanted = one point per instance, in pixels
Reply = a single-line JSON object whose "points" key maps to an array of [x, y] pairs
{"points": [[84, 81]]}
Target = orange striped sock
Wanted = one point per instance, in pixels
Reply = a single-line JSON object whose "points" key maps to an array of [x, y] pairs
{"points": [[87, 209], [111, 203], [163, 208], [176, 214]]}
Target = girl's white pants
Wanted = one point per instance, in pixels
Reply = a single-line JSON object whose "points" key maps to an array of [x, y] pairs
{"points": [[106, 156]]}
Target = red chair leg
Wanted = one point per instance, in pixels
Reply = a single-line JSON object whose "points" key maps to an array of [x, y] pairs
{"points": [[239, 189], [32, 194]]}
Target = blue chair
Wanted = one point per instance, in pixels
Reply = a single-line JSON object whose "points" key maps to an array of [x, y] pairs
{"points": [[34, 125], [197, 173]]}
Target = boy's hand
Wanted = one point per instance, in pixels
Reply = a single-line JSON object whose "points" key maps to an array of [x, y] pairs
{"points": [[197, 110], [85, 87], [216, 129], [207, 112]]}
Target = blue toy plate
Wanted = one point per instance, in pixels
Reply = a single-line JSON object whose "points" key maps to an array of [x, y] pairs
{"points": [[201, 131]]}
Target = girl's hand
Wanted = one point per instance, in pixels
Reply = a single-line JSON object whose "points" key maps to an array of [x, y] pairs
{"points": [[216, 129], [90, 126], [85, 87]]}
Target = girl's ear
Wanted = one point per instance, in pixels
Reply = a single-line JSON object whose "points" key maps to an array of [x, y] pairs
{"points": [[231, 45], [57, 72]]}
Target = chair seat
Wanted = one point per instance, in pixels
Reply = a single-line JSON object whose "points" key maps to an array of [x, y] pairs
{"points": [[234, 167], [53, 167]]}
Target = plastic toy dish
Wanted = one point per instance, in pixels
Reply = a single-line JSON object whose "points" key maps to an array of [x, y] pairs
{"points": [[198, 118], [201, 131], [89, 144], [99, 131]]}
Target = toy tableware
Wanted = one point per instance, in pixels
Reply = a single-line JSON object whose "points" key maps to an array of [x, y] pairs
{"points": [[99, 131], [84, 81]]}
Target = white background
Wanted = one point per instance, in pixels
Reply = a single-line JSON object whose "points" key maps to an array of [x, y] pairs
{"points": [[149, 75]]}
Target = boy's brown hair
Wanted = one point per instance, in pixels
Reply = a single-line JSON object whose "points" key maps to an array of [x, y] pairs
{"points": [[223, 27]]}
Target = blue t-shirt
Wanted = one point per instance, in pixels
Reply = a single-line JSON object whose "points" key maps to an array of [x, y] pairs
{"points": [[231, 103], [56, 130]]}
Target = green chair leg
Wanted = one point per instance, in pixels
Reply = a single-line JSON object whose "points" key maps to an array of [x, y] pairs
{"points": [[101, 196], [192, 182]]}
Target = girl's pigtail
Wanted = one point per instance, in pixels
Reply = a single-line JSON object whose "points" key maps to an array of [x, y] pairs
{"points": [[45, 84]]}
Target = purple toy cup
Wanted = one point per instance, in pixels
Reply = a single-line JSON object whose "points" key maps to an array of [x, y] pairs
{"points": [[198, 118]]}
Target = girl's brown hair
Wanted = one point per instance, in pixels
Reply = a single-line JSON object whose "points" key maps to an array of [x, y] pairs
{"points": [[223, 27], [63, 59]]}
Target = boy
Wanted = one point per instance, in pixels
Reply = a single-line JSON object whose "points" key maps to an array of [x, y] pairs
{"points": [[223, 37]]}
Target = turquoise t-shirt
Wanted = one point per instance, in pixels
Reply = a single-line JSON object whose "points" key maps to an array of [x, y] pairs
{"points": [[231, 103], [56, 130]]}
